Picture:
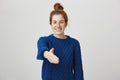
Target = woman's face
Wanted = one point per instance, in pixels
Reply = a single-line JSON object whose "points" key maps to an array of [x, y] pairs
{"points": [[58, 24]]}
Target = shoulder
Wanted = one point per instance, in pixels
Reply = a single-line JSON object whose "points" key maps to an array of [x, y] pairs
{"points": [[74, 40], [43, 38]]}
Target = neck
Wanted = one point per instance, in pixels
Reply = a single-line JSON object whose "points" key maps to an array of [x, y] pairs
{"points": [[60, 36]]}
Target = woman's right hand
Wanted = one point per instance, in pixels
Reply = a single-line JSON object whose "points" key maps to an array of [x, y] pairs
{"points": [[51, 57]]}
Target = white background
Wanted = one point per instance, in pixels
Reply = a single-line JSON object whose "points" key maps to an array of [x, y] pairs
{"points": [[95, 23]]}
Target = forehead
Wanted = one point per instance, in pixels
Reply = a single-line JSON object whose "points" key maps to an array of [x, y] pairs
{"points": [[57, 17]]}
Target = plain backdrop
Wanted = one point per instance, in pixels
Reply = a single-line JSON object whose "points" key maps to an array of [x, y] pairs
{"points": [[95, 23]]}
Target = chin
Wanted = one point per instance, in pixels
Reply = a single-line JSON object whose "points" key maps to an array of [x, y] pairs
{"points": [[58, 33]]}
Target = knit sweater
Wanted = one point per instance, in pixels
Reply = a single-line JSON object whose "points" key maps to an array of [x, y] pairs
{"points": [[69, 54]]}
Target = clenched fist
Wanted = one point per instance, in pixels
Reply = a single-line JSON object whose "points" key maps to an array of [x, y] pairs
{"points": [[51, 57]]}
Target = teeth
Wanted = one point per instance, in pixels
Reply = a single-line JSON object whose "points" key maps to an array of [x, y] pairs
{"points": [[57, 29]]}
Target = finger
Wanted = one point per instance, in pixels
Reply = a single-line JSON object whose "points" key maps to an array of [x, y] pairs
{"points": [[56, 60], [52, 50]]}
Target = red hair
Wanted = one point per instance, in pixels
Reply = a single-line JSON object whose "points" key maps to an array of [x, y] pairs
{"points": [[58, 9]]}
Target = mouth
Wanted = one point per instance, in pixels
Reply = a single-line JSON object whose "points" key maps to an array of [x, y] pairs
{"points": [[58, 29]]}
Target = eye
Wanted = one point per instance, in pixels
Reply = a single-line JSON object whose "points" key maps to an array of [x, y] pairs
{"points": [[62, 22], [54, 22]]}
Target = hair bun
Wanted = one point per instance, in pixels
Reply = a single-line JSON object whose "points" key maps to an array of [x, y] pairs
{"points": [[58, 6]]}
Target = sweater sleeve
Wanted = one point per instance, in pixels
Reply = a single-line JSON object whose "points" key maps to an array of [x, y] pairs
{"points": [[78, 70], [42, 46]]}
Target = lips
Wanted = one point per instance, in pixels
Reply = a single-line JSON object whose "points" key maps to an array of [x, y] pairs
{"points": [[58, 29]]}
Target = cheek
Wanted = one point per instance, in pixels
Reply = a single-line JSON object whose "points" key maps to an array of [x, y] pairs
{"points": [[52, 27], [64, 26]]}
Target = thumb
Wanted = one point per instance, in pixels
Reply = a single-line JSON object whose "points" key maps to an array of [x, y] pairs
{"points": [[52, 50]]}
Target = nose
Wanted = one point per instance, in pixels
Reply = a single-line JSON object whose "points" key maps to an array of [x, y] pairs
{"points": [[57, 25]]}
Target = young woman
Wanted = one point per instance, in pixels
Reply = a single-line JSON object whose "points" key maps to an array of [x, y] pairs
{"points": [[60, 53]]}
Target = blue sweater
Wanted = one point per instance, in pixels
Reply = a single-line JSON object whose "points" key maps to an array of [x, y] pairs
{"points": [[69, 54]]}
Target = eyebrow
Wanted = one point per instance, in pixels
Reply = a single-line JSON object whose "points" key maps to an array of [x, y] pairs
{"points": [[56, 20]]}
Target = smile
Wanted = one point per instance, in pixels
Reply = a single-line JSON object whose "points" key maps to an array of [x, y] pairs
{"points": [[58, 29]]}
